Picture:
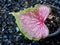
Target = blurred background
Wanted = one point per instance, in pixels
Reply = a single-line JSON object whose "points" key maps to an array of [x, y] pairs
{"points": [[9, 31]]}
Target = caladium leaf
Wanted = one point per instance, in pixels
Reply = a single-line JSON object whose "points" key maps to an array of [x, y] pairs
{"points": [[43, 11], [31, 22]]}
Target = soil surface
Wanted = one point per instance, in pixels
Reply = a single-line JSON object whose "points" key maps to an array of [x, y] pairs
{"points": [[9, 31], [53, 21]]}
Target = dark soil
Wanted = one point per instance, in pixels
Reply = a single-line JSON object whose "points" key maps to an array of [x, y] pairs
{"points": [[9, 31], [53, 21]]}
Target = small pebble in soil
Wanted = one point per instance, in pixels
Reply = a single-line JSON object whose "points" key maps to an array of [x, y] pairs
{"points": [[9, 32]]}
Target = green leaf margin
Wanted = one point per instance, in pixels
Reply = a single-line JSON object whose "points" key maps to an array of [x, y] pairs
{"points": [[19, 24]]}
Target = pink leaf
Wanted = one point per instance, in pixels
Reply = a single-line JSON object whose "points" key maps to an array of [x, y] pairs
{"points": [[32, 25], [43, 11], [32, 22]]}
